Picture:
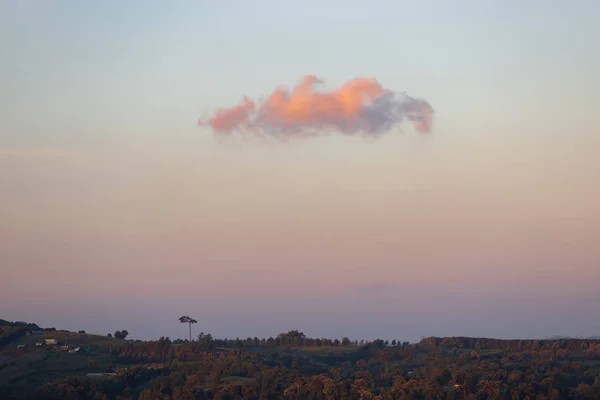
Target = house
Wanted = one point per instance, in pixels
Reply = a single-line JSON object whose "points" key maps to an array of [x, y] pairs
{"points": [[39, 344], [51, 341], [20, 346]]}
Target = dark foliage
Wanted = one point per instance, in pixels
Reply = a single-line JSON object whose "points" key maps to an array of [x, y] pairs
{"points": [[292, 366]]}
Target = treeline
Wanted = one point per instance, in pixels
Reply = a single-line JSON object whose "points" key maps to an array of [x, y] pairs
{"points": [[166, 350], [293, 338], [296, 338], [559, 347]]}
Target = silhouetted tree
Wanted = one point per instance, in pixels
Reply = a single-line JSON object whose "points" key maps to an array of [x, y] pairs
{"points": [[121, 334], [188, 320]]}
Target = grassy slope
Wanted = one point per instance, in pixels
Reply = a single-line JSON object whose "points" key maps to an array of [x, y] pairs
{"points": [[73, 339], [32, 366]]}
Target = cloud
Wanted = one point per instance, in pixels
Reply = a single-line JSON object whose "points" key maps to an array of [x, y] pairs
{"points": [[360, 106]]}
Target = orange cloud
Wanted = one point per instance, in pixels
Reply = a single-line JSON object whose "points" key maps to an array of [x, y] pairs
{"points": [[227, 119], [360, 105]]}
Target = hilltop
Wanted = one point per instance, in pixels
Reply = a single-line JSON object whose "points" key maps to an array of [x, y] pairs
{"points": [[38, 363]]}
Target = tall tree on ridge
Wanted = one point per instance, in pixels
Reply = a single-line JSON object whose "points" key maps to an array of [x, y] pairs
{"points": [[188, 320]]}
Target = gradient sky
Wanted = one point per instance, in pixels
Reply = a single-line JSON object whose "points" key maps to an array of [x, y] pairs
{"points": [[118, 212]]}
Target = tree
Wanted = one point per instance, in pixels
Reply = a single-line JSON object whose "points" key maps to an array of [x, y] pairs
{"points": [[384, 355], [121, 334], [188, 320]]}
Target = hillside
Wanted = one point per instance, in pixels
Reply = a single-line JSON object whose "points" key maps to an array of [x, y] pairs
{"points": [[292, 366]]}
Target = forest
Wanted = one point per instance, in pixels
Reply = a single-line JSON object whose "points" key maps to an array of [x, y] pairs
{"points": [[290, 366]]}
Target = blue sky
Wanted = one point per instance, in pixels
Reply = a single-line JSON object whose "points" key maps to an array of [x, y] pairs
{"points": [[139, 59], [99, 144]]}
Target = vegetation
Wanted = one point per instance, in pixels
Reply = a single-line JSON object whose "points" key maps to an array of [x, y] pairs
{"points": [[188, 320], [293, 366], [121, 334], [10, 331]]}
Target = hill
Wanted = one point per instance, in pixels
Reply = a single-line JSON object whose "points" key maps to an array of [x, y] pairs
{"points": [[292, 366]]}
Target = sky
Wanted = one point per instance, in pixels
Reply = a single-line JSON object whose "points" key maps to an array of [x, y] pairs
{"points": [[117, 211]]}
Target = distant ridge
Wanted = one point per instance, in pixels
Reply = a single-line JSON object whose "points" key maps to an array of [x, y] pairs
{"points": [[559, 337]]}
